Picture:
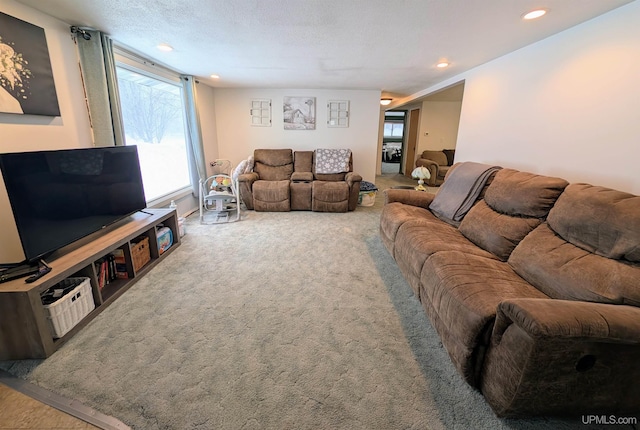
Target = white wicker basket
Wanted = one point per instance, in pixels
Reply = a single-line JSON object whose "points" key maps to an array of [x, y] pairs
{"points": [[67, 311]]}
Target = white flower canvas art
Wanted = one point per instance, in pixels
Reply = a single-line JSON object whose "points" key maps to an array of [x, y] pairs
{"points": [[26, 77], [299, 113]]}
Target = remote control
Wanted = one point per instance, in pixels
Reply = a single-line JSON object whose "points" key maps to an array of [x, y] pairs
{"points": [[42, 270]]}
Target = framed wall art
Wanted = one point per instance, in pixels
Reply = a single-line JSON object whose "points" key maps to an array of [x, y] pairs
{"points": [[26, 78], [338, 113], [261, 112], [299, 113]]}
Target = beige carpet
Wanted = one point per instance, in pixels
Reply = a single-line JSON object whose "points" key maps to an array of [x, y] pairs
{"points": [[295, 320]]}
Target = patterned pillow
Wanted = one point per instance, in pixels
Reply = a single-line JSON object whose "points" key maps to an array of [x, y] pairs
{"points": [[250, 163], [240, 169]]}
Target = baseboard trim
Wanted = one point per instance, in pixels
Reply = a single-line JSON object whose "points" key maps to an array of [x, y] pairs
{"points": [[69, 406]]}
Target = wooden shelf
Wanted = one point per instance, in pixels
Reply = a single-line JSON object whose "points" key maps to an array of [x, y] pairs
{"points": [[24, 331]]}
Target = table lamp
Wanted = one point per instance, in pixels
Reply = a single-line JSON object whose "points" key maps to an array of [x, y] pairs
{"points": [[421, 173]]}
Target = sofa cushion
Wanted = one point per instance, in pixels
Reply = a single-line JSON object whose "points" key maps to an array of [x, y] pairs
{"points": [[303, 161], [564, 271], [523, 194], [464, 291], [394, 215], [417, 240], [273, 173], [514, 204], [330, 196], [302, 176], [495, 232], [271, 196], [273, 164], [600, 220]]}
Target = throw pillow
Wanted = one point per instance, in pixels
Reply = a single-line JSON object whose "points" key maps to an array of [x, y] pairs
{"points": [[450, 153], [250, 163], [240, 169]]}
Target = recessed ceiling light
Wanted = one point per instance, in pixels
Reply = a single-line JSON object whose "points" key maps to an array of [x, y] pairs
{"points": [[537, 13], [442, 64], [215, 77], [385, 101], [165, 47]]}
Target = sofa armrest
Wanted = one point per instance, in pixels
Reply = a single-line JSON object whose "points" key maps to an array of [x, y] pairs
{"points": [[426, 163], [245, 187], [302, 176], [250, 177], [408, 197], [351, 178], [570, 319], [556, 357]]}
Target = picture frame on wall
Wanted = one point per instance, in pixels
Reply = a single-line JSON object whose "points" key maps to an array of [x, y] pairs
{"points": [[338, 113], [299, 113], [26, 78], [260, 112]]}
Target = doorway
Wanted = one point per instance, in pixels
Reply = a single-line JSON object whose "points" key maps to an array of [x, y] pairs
{"points": [[392, 141]]}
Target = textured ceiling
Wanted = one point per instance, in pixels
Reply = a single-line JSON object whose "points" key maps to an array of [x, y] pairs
{"points": [[387, 45]]}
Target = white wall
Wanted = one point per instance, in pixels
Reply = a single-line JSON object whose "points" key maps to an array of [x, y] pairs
{"points": [[567, 106], [237, 138], [29, 132], [440, 120]]}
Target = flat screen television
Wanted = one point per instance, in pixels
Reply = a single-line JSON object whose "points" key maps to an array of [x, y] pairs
{"points": [[58, 197]]}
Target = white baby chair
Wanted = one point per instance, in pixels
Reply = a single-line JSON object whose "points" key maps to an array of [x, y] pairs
{"points": [[219, 198]]}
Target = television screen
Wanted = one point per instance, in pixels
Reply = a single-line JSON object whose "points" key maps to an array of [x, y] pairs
{"points": [[58, 197]]}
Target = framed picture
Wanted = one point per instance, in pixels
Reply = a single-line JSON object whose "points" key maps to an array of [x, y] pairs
{"points": [[261, 112], [299, 113], [338, 113], [26, 79]]}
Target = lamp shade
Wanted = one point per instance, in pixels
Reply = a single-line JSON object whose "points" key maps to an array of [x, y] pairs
{"points": [[421, 173]]}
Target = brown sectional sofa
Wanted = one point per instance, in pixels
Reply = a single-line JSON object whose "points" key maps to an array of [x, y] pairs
{"points": [[284, 180], [535, 295]]}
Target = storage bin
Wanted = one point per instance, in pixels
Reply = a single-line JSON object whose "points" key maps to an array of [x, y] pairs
{"points": [[165, 239], [367, 196], [140, 253], [67, 311]]}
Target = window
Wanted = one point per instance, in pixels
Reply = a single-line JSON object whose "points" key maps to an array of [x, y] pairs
{"points": [[393, 129], [153, 118], [393, 126]]}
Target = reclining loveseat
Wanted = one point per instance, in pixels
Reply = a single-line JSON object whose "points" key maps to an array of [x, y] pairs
{"points": [[438, 163], [284, 180], [535, 294]]}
